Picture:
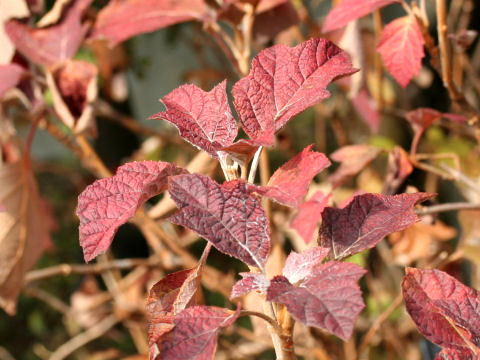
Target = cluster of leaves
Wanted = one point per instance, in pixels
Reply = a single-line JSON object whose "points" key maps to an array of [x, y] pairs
{"points": [[316, 287]]}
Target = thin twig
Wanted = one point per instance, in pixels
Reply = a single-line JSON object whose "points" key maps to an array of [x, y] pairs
{"points": [[447, 207], [54, 302], [267, 318], [84, 338]]}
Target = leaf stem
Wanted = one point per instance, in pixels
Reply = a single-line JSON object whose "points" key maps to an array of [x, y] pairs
{"points": [[265, 317], [447, 207], [254, 166]]}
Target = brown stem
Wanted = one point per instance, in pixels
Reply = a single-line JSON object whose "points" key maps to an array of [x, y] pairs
{"points": [[377, 18], [447, 207], [267, 318]]}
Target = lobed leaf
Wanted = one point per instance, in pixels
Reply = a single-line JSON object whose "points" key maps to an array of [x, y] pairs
{"points": [[366, 220], [285, 81], [53, 44], [349, 10], [444, 310], [169, 297], [289, 184], [249, 282], [329, 298], [194, 336], [227, 215], [300, 266], [353, 159], [108, 203], [309, 214], [203, 118], [401, 46], [122, 19]]}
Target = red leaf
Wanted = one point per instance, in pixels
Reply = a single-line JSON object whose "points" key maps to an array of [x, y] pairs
{"points": [[10, 76], [203, 118], [227, 215], [309, 214], [445, 310], [250, 282], [366, 221], [366, 107], [122, 19], [349, 10], [353, 159], [422, 118], [453, 354], [108, 203], [289, 184], [52, 44], [195, 334], [329, 299], [266, 5], [285, 81], [169, 297], [300, 266], [401, 46]]}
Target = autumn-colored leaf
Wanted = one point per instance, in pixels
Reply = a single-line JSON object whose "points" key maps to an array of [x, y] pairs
{"points": [[398, 168], [289, 184], [419, 241], [108, 203], [169, 297], [10, 76], [23, 230], [309, 214], [52, 44], [227, 215], [365, 106], [422, 118], [194, 336], [455, 354], [74, 90], [285, 81], [300, 266], [349, 10], [444, 310], [353, 159], [250, 282], [366, 221], [270, 23], [401, 46], [122, 19], [329, 298], [203, 118], [10, 10]]}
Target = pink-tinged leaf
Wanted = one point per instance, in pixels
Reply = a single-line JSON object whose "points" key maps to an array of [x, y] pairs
{"points": [[122, 19], [10, 76], [455, 354], [366, 107], [422, 118], [242, 150], [398, 168], [353, 159], [309, 214], [444, 310], [108, 203], [458, 118], [169, 297], [289, 184], [329, 299], [203, 118], [285, 81], [194, 336], [250, 282], [349, 10], [227, 215], [401, 46], [366, 221], [47, 46], [300, 266]]}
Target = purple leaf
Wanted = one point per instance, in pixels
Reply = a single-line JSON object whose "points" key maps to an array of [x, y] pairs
{"points": [[203, 118], [329, 299], [250, 282], [366, 220], [108, 203], [309, 214], [445, 311], [299, 266], [289, 184], [122, 19], [229, 216], [194, 336], [50, 45], [285, 81]]}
